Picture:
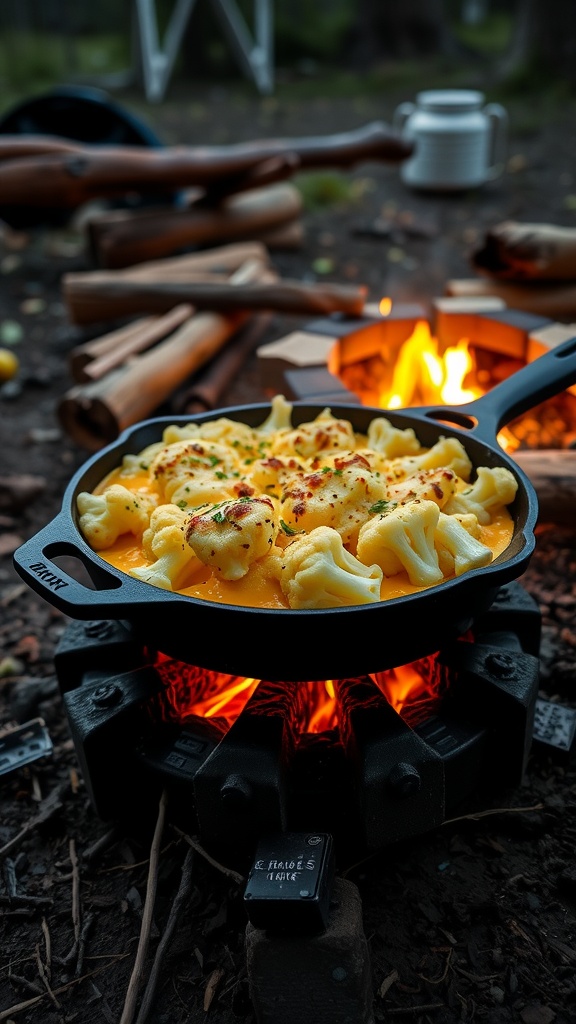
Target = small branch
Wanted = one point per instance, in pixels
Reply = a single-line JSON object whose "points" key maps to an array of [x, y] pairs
{"points": [[175, 911], [476, 815], [75, 891], [5, 1015], [138, 969], [215, 864], [47, 809]]}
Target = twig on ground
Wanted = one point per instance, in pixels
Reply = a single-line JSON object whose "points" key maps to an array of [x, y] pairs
{"points": [[475, 815], [102, 843], [28, 1003], [46, 810], [76, 918], [42, 971], [215, 864], [82, 942], [138, 969], [398, 1011], [175, 911]]}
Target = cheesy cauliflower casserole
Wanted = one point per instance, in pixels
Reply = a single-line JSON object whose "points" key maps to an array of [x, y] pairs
{"points": [[314, 516]]}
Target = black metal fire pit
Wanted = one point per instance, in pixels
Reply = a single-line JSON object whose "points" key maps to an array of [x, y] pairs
{"points": [[378, 776]]}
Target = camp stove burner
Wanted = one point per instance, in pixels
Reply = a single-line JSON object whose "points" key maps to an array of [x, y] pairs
{"points": [[374, 777]]}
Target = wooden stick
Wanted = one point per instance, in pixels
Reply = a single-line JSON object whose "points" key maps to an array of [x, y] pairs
{"points": [[96, 296], [94, 414], [92, 360], [208, 386], [83, 354], [223, 259], [554, 301], [174, 916], [140, 334], [137, 975]]}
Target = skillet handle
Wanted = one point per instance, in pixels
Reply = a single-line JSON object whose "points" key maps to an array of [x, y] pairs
{"points": [[544, 377], [113, 593]]}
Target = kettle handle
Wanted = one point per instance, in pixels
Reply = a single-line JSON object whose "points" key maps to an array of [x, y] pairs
{"points": [[498, 117], [401, 114]]}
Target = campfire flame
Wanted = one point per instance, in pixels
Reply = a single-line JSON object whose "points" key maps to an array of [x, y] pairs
{"points": [[421, 373], [190, 692]]}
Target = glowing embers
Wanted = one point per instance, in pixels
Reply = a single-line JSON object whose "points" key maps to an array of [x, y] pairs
{"points": [[188, 692]]}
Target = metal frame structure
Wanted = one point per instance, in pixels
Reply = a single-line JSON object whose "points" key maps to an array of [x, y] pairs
{"points": [[253, 50]]}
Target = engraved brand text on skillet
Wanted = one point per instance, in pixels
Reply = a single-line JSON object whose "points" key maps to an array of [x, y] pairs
{"points": [[43, 572]]}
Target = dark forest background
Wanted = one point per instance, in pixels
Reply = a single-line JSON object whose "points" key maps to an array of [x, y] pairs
{"points": [[507, 45]]}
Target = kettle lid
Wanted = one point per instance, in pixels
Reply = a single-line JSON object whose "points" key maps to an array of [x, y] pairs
{"points": [[450, 101]]}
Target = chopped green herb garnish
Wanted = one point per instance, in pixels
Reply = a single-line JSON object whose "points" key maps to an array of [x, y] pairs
{"points": [[287, 529], [379, 507]]}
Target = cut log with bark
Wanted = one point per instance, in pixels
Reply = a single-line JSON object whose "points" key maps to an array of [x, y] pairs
{"points": [[515, 251], [97, 296], [95, 414], [68, 178], [122, 238]]}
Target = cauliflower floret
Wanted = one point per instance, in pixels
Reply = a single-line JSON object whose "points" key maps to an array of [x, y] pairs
{"points": [[174, 432], [269, 475], [244, 440], [448, 453], [403, 539], [391, 441], [194, 471], [458, 546], [324, 434], [230, 536], [134, 465], [429, 485], [104, 517], [340, 498], [165, 545], [280, 417], [317, 571], [491, 491]]}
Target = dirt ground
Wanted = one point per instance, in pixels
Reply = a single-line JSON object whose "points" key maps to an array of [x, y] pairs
{"points": [[474, 922]]}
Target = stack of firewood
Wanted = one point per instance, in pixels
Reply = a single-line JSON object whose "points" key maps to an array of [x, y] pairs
{"points": [[202, 311], [165, 316]]}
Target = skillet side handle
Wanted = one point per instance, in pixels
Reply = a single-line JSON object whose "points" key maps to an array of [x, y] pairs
{"points": [[33, 562]]}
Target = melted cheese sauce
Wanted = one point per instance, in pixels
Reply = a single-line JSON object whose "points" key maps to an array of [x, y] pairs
{"points": [[257, 589]]}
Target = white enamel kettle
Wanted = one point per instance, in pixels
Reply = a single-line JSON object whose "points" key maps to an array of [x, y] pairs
{"points": [[460, 142]]}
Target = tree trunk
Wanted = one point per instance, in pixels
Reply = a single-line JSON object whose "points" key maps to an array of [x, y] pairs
{"points": [[544, 40], [399, 29]]}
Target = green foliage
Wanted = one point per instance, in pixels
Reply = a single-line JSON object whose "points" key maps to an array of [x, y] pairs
{"points": [[491, 37], [320, 189], [305, 30], [32, 62]]}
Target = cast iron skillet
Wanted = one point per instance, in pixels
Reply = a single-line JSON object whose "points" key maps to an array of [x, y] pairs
{"points": [[282, 644]]}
